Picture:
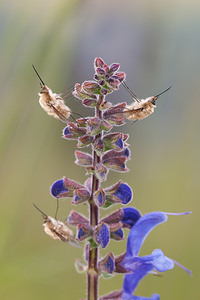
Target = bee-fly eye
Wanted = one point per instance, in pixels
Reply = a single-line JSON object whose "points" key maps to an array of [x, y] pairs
{"points": [[141, 108]]}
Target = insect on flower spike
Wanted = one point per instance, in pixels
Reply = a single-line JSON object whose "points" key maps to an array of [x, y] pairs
{"points": [[143, 108], [52, 103], [57, 229]]}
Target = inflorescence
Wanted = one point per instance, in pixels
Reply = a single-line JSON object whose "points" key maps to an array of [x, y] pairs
{"points": [[109, 151]]}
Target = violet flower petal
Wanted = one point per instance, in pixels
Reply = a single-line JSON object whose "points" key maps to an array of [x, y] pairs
{"points": [[141, 229], [140, 266]]}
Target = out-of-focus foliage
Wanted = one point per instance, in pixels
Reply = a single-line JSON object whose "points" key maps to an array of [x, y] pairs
{"points": [[157, 44]]}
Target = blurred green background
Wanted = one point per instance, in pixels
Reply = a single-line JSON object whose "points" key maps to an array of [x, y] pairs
{"points": [[157, 44]]}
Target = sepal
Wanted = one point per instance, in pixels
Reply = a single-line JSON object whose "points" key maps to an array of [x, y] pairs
{"points": [[116, 295], [115, 115], [71, 184], [75, 218], [113, 218]]}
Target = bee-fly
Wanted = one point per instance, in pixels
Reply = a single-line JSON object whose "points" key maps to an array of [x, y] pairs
{"points": [[140, 108], [52, 103], [57, 229]]}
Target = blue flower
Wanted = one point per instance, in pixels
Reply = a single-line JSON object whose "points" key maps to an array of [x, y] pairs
{"points": [[123, 193], [137, 266], [58, 189]]}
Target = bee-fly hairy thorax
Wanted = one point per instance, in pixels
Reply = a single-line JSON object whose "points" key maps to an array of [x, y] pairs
{"points": [[57, 229], [140, 108], [52, 103]]}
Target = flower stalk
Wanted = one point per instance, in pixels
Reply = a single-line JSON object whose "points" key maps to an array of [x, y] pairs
{"points": [[93, 273], [110, 151]]}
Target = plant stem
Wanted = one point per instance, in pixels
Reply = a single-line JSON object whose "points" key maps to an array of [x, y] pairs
{"points": [[93, 274]]}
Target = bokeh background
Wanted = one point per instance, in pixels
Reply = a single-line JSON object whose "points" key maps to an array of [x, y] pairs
{"points": [[157, 44]]}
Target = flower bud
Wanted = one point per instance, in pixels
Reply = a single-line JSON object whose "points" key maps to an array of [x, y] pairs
{"points": [[116, 164], [84, 140], [119, 193], [91, 87], [98, 62], [106, 126], [102, 235], [101, 82], [101, 172], [104, 92], [120, 76], [73, 131], [100, 72], [81, 94], [113, 141], [90, 102], [113, 68], [83, 159], [75, 218], [113, 83], [114, 115], [107, 264], [100, 197], [116, 160], [98, 146], [84, 231], [59, 190], [94, 126]]}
